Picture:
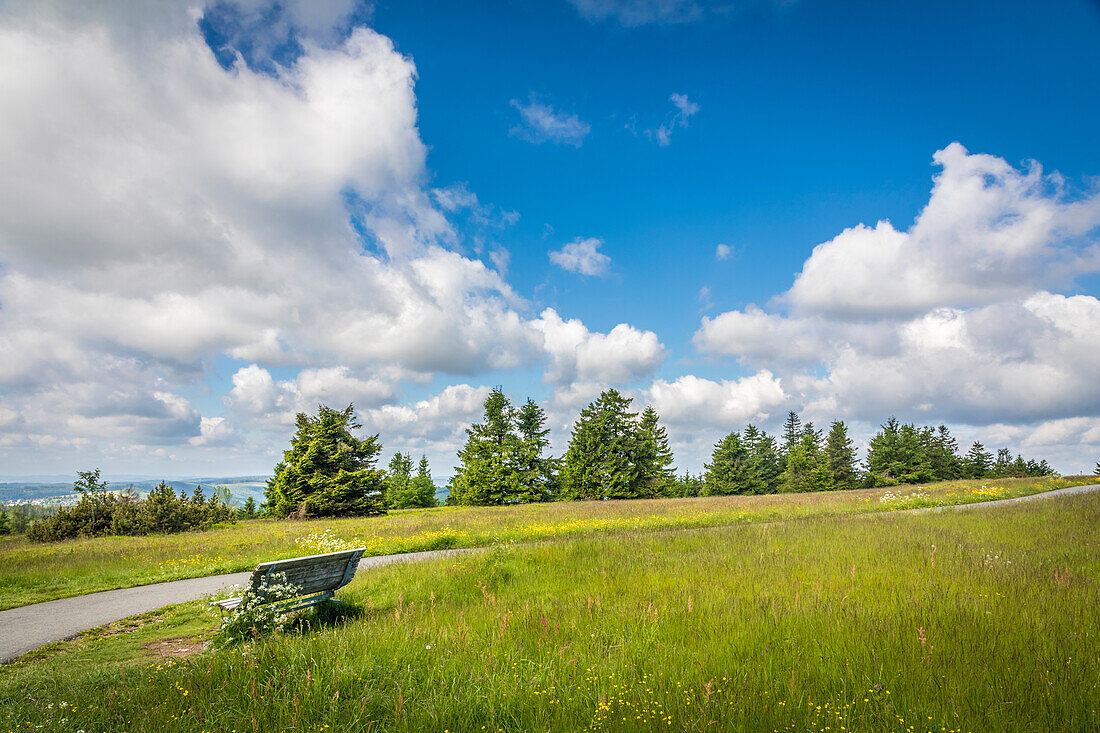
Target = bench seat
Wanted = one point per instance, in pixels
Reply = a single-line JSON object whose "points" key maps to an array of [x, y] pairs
{"points": [[317, 578]]}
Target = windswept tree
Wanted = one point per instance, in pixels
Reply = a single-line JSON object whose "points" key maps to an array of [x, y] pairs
{"points": [[327, 472], [599, 463]]}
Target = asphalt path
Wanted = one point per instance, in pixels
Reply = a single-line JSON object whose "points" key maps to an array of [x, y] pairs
{"points": [[26, 628]]}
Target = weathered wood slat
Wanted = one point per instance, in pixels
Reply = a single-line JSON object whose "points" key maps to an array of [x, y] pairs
{"points": [[315, 574]]}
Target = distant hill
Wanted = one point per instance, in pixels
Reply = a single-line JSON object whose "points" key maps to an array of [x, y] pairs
{"points": [[35, 490], [58, 492]]}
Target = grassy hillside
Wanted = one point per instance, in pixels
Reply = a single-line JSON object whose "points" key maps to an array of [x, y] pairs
{"points": [[31, 573], [975, 621]]}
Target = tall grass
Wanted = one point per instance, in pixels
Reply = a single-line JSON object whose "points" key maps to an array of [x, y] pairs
{"points": [[969, 621], [31, 573]]}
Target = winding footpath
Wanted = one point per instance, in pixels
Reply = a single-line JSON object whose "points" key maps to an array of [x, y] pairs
{"points": [[26, 628]]}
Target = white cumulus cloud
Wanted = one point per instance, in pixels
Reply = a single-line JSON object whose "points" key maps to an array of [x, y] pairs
{"points": [[577, 354]]}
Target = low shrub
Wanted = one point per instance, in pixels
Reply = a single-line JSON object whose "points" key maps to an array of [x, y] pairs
{"points": [[102, 512]]}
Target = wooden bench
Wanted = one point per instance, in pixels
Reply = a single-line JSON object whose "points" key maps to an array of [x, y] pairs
{"points": [[317, 578]]}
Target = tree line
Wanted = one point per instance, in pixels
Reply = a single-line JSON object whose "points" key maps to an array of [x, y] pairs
{"points": [[808, 459], [614, 453]]}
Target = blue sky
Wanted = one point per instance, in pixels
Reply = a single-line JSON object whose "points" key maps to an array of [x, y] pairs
{"points": [[219, 215]]}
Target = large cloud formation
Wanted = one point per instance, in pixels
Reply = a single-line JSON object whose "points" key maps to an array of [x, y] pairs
{"points": [[953, 319], [159, 211]]}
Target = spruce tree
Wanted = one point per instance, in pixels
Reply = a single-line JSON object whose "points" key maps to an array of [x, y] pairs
{"points": [[1018, 469], [653, 457], [688, 486], [762, 464], [397, 489], [5, 524], [840, 457], [792, 434], [1095, 471], [599, 463], [806, 469], [535, 473], [913, 465], [725, 474], [247, 510], [327, 471], [943, 455], [486, 473], [977, 462], [422, 487], [898, 454], [1002, 466]]}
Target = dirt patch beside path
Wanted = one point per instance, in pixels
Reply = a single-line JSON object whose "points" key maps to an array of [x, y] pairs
{"points": [[177, 648]]}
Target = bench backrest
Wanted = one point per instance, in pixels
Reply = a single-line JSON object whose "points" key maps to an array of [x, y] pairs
{"points": [[312, 574]]}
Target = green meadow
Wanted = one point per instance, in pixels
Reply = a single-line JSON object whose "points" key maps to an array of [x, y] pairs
{"points": [[32, 573], [955, 621]]}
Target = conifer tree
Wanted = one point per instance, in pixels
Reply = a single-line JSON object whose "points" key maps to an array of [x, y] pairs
{"points": [[653, 457], [1095, 471], [792, 434], [763, 465], [688, 485], [806, 468], [840, 457], [1018, 469], [327, 471], [397, 489], [943, 455], [248, 510], [486, 472], [422, 488], [898, 455], [535, 473], [599, 463], [882, 453], [5, 524], [1002, 467], [977, 462], [725, 474]]}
